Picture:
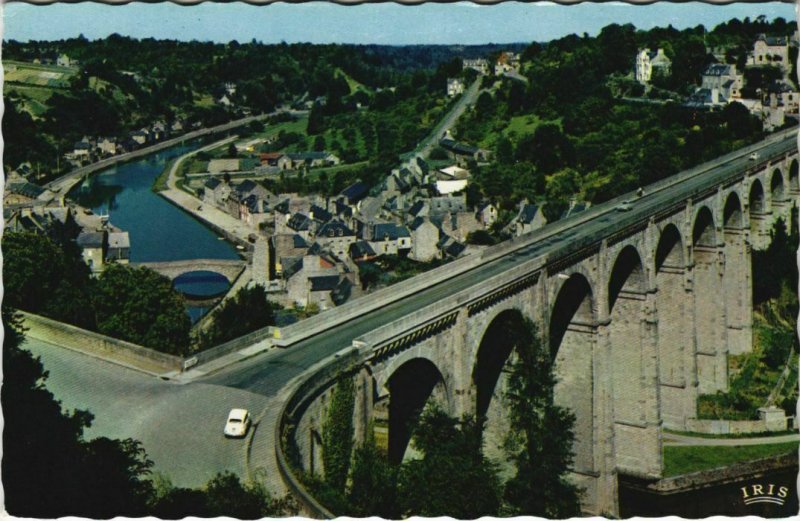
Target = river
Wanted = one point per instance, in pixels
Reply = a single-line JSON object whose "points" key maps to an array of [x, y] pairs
{"points": [[159, 231]]}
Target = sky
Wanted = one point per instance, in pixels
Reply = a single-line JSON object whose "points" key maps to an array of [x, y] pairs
{"points": [[385, 23]]}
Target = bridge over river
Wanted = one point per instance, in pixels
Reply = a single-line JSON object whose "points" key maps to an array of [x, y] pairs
{"points": [[228, 268]]}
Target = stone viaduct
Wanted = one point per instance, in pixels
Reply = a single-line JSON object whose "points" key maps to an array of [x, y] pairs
{"points": [[230, 269], [640, 320]]}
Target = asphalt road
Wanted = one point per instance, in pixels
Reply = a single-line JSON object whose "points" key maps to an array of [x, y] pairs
{"points": [[468, 98], [180, 426]]}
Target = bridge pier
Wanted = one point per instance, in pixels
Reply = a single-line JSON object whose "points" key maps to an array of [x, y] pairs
{"points": [[710, 327], [364, 405], [738, 291]]}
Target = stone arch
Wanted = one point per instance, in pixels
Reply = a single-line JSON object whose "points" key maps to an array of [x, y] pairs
{"points": [[670, 249], [704, 232], [776, 187], [574, 304], [757, 205], [627, 275], [572, 337], [412, 385], [626, 299], [756, 200], [495, 349], [488, 376], [794, 179], [732, 217], [674, 330]]}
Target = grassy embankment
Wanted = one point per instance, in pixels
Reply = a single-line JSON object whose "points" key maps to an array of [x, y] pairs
{"points": [[684, 460]]}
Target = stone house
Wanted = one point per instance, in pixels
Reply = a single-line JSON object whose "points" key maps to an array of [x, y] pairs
{"points": [[724, 78], [486, 213], [21, 192], [119, 247], [92, 245], [452, 179], [276, 159], [286, 249], [769, 50], [387, 238], [506, 62], [336, 237], [355, 193], [459, 225], [462, 153], [313, 159], [216, 192], [424, 240], [361, 251], [82, 150], [780, 93], [107, 146], [140, 137], [479, 64], [316, 279], [529, 218]]}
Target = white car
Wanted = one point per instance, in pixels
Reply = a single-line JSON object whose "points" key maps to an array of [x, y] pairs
{"points": [[754, 156], [238, 423], [624, 206]]}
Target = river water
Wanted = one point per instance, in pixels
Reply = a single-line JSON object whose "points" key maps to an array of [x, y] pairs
{"points": [[158, 230]]}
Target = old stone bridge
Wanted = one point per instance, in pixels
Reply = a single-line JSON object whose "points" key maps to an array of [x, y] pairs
{"points": [[640, 310], [230, 269]]}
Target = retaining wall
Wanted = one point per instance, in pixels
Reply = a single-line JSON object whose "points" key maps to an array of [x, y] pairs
{"points": [[100, 346]]}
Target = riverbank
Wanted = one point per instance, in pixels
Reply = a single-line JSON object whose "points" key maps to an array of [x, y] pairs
{"points": [[228, 226], [65, 183]]}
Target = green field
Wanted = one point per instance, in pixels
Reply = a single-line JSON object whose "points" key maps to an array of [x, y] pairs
{"points": [[353, 84], [684, 460], [37, 75]]}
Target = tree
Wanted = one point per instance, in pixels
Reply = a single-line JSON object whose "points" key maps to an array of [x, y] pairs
{"points": [[49, 470], [453, 478], [337, 435], [541, 436], [41, 276], [248, 311], [141, 306], [223, 495], [373, 482], [232, 150], [480, 237]]}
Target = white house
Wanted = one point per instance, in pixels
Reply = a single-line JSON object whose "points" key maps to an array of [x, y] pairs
{"points": [[479, 64], [648, 62], [454, 87], [452, 179]]}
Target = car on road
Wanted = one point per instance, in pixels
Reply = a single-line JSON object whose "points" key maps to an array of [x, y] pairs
{"points": [[624, 206], [238, 423], [754, 156]]}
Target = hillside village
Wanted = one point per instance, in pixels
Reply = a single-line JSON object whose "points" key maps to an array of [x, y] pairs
{"points": [[312, 247]]}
